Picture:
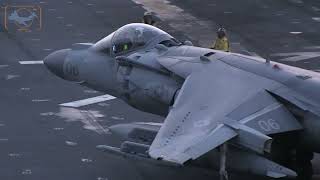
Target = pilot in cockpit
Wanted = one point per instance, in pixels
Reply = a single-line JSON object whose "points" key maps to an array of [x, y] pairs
{"points": [[132, 37]]}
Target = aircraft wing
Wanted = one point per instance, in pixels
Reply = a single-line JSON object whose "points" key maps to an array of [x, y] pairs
{"points": [[216, 104]]}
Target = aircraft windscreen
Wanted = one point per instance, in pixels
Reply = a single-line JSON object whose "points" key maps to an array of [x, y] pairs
{"points": [[129, 37], [133, 36], [104, 45]]}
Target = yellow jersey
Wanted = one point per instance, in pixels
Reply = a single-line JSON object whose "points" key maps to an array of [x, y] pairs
{"points": [[221, 44]]}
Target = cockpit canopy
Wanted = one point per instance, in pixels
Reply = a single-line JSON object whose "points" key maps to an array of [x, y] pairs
{"points": [[131, 37]]}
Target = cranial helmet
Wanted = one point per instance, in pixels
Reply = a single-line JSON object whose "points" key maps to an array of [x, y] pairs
{"points": [[221, 32]]}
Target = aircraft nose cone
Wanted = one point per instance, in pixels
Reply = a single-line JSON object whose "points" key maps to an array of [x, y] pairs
{"points": [[54, 61]]}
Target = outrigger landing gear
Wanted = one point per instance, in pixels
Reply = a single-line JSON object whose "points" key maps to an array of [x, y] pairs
{"points": [[304, 165], [223, 161]]}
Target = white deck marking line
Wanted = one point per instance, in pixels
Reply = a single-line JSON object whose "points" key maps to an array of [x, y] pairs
{"points": [[71, 143], [296, 1], [35, 39], [85, 102], [312, 47], [99, 12], [40, 100], [30, 62], [296, 32], [316, 19], [3, 65], [297, 56], [12, 76], [315, 8], [93, 121]]}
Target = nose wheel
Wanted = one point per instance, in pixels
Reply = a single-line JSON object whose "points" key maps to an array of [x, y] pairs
{"points": [[223, 161]]}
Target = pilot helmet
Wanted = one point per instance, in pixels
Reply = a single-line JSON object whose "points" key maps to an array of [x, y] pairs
{"points": [[148, 18], [221, 32]]}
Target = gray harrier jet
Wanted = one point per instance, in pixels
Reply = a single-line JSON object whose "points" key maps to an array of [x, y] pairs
{"points": [[223, 110]]}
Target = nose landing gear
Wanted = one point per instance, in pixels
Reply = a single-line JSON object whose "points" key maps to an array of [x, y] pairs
{"points": [[223, 159]]}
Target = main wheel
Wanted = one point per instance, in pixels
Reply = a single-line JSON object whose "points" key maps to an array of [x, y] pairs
{"points": [[285, 152], [303, 165]]}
